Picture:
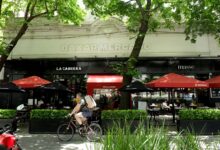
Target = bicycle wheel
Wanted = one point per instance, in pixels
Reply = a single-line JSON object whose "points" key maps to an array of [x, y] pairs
{"points": [[94, 132], [65, 132], [17, 147]]}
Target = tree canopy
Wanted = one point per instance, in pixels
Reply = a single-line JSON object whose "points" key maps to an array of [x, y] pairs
{"points": [[27, 10], [197, 17], [143, 16], [201, 17]]}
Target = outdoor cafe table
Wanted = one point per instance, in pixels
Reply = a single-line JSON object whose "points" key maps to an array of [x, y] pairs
{"points": [[193, 106], [153, 113]]}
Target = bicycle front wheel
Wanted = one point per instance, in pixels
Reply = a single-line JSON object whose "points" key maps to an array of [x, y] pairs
{"points": [[94, 132], [65, 132]]}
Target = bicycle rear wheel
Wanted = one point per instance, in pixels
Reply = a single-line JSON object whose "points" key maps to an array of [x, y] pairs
{"points": [[94, 132], [65, 132]]}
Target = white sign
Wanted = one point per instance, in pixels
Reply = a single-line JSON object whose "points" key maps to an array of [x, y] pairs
{"points": [[142, 105], [68, 68], [185, 67]]}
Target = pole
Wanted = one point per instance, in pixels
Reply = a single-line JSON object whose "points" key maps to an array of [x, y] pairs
{"points": [[173, 109]]}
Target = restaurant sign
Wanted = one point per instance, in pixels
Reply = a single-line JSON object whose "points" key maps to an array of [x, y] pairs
{"points": [[185, 67], [75, 68]]}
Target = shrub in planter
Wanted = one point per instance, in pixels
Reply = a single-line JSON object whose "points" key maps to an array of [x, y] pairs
{"points": [[6, 116], [46, 120], [133, 118], [48, 114], [7, 113], [200, 121], [199, 114]]}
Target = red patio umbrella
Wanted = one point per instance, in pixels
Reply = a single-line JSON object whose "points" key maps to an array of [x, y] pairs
{"points": [[31, 82], [214, 82], [173, 80]]}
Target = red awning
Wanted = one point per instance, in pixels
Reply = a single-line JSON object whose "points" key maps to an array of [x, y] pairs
{"points": [[103, 82], [30, 82], [104, 79], [214, 82], [173, 80]]}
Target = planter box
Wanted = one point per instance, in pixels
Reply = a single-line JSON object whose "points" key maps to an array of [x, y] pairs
{"points": [[44, 126], [5, 121], [108, 124], [202, 127]]}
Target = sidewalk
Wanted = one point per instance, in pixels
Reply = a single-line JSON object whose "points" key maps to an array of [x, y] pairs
{"points": [[51, 142]]}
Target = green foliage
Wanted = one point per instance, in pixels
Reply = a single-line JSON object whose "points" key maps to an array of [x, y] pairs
{"points": [[162, 14], [198, 17], [124, 114], [199, 114], [144, 138], [68, 11], [65, 11], [123, 69], [188, 141], [201, 17], [7, 113], [48, 114]]}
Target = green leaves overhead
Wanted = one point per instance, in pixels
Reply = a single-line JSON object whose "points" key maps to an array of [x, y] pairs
{"points": [[67, 11], [201, 17], [162, 13], [198, 16]]}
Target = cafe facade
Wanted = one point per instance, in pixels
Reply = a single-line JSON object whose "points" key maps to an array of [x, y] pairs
{"points": [[65, 52]]}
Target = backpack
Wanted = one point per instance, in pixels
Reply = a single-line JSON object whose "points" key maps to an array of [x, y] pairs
{"points": [[90, 101]]}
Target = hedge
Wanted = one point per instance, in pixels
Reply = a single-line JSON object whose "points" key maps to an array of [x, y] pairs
{"points": [[124, 114], [48, 114], [199, 114], [7, 113]]}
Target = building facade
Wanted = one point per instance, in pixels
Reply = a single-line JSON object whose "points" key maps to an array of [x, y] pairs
{"points": [[56, 51], [52, 48]]}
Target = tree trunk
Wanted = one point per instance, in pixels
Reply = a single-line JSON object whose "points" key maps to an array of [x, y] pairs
{"points": [[125, 97], [22, 30], [13, 43], [0, 8]]}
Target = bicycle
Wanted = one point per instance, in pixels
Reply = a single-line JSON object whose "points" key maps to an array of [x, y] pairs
{"points": [[91, 130]]}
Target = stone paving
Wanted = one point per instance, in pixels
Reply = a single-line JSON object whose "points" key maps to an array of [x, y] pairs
{"points": [[51, 142]]}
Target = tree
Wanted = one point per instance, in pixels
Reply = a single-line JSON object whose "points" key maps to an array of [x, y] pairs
{"points": [[66, 11], [201, 17], [145, 16]]}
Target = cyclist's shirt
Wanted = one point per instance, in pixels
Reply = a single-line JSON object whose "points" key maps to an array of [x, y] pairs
{"points": [[84, 109]]}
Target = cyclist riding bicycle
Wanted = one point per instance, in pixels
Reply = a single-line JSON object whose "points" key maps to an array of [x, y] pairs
{"points": [[82, 110]]}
